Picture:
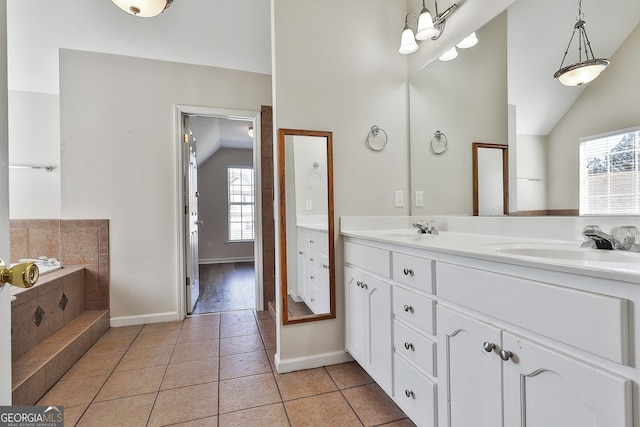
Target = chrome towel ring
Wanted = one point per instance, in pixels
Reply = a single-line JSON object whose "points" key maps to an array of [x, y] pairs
{"points": [[377, 138]]}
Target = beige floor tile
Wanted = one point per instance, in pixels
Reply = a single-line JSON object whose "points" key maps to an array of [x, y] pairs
{"points": [[372, 405], [204, 320], [245, 344], [131, 383], [186, 352], [155, 339], [90, 365], [122, 331], [112, 344], [266, 326], [248, 392], [402, 423], [76, 392], [190, 373], [163, 326], [305, 383], [238, 329], [269, 340], [202, 422], [145, 358], [263, 315], [329, 409], [128, 411], [243, 365], [348, 374], [198, 334], [185, 404], [72, 414], [237, 316], [270, 415]]}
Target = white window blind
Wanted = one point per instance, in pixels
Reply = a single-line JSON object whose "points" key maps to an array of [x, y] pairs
{"points": [[241, 203], [610, 173]]}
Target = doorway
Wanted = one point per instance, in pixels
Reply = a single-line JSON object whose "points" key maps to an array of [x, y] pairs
{"points": [[219, 177]]}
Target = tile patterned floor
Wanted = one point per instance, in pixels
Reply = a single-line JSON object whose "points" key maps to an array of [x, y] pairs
{"points": [[212, 370], [226, 287]]}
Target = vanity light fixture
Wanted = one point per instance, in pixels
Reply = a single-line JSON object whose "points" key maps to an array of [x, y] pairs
{"points": [[429, 27], [470, 41], [143, 8], [585, 70], [449, 55]]}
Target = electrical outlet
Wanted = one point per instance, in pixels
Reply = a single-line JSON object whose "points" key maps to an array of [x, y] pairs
{"points": [[419, 198], [399, 198], [308, 205]]}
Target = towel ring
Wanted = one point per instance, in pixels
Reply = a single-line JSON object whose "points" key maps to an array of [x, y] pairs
{"points": [[375, 140]]}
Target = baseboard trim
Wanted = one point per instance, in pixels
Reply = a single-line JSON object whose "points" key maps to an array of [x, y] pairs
{"points": [[141, 319], [310, 362], [225, 260]]}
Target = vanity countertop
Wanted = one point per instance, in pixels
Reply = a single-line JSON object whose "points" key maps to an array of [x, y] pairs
{"points": [[556, 255]]}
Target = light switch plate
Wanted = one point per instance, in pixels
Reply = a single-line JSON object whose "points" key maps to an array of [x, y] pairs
{"points": [[419, 198], [308, 205], [399, 198]]}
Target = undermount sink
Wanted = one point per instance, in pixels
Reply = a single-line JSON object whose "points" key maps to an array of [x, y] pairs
{"points": [[566, 252]]}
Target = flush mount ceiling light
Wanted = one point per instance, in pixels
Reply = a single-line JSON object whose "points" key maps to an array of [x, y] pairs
{"points": [[143, 8], [585, 70], [429, 27]]}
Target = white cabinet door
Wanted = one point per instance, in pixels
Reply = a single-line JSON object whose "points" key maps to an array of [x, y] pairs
{"points": [[378, 330], [355, 315], [469, 389], [543, 388]]}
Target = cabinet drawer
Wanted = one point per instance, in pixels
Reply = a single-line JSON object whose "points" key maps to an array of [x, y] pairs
{"points": [[414, 393], [413, 271], [369, 258], [592, 322], [417, 310], [415, 347]]}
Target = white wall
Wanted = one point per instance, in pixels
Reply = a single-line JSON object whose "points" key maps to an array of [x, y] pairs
{"points": [[119, 161], [609, 103], [213, 245], [532, 172], [34, 139], [336, 67], [310, 181], [466, 99]]}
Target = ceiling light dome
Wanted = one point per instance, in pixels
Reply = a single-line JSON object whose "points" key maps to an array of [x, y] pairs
{"points": [[143, 8]]}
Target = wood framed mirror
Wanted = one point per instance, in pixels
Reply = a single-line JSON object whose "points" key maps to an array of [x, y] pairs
{"points": [[490, 179], [307, 262]]}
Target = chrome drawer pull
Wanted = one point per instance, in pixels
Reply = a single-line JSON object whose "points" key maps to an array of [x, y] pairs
{"points": [[488, 346], [505, 355], [408, 272], [408, 308], [408, 346], [409, 393]]}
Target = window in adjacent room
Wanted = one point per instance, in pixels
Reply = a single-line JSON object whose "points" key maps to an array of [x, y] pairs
{"points": [[241, 204], [610, 173]]}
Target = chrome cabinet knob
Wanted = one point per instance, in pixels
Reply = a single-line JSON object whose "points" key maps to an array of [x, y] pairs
{"points": [[408, 272], [488, 346], [505, 355], [408, 346], [409, 393], [408, 308]]}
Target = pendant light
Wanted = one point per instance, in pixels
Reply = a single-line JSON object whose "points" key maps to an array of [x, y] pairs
{"points": [[143, 8], [426, 29], [449, 55], [583, 71], [408, 42]]}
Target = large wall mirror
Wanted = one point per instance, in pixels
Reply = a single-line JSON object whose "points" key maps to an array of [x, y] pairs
{"points": [[502, 90], [306, 225]]}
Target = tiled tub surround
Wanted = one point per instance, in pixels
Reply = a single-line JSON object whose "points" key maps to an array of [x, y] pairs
{"points": [[56, 321]]}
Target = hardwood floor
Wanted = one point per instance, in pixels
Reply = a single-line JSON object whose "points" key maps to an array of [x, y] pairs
{"points": [[226, 287]]}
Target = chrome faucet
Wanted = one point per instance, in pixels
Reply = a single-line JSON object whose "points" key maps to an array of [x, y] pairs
{"points": [[597, 239], [429, 228], [623, 238]]}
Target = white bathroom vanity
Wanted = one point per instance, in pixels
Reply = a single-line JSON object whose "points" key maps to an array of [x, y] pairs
{"points": [[495, 321]]}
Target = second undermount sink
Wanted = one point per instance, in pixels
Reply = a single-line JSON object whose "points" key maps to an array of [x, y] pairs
{"points": [[565, 252]]}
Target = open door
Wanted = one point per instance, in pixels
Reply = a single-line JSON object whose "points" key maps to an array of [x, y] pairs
{"points": [[191, 216]]}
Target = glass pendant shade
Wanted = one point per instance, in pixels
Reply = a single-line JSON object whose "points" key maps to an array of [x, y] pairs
{"points": [[408, 41], [449, 55], [426, 30], [470, 41], [143, 8], [582, 72]]}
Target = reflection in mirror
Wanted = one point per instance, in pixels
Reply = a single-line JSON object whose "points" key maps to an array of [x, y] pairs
{"points": [[306, 225], [490, 179]]}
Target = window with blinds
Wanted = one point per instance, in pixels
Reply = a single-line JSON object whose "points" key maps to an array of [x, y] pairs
{"points": [[610, 173], [241, 204]]}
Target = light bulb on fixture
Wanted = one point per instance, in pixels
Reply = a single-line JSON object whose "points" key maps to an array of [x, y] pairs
{"points": [[583, 71], [426, 29], [470, 41], [143, 8], [408, 40], [449, 55]]}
